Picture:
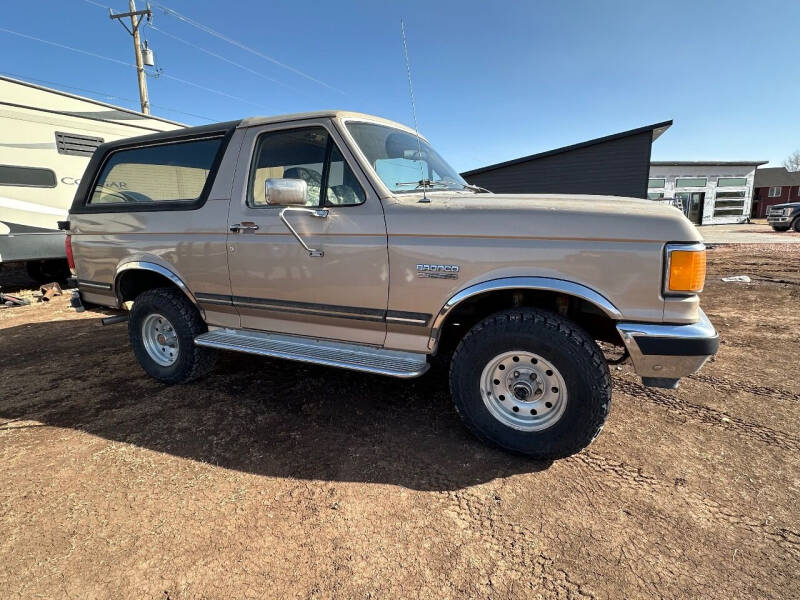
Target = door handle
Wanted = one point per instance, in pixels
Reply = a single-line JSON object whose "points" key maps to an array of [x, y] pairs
{"points": [[244, 226], [320, 213]]}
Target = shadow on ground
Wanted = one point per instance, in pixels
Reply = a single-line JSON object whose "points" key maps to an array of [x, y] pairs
{"points": [[16, 279], [268, 417]]}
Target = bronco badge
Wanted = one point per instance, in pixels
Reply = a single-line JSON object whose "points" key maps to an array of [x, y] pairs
{"points": [[438, 271]]}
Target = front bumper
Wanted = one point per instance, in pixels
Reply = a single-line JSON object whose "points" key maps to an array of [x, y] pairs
{"points": [[662, 354], [778, 220]]}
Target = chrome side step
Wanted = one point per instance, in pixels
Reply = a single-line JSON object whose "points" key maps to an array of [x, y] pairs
{"points": [[321, 352]]}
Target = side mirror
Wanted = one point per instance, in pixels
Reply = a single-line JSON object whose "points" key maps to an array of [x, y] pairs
{"points": [[285, 192]]}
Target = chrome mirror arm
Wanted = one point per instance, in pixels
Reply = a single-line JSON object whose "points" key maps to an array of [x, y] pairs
{"points": [[321, 213]]}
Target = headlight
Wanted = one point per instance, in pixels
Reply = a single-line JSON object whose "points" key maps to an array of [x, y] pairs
{"points": [[685, 269], [787, 212]]}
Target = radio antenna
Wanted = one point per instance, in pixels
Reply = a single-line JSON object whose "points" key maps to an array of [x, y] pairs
{"points": [[422, 179]]}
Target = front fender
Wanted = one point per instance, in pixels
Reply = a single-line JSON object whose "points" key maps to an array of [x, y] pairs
{"points": [[525, 283]]}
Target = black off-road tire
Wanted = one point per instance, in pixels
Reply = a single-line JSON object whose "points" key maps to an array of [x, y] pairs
{"points": [[193, 361], [796, 225], [556, 339]]}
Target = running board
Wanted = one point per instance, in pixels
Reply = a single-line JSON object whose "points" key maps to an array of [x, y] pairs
{"points": [[320, 352]]}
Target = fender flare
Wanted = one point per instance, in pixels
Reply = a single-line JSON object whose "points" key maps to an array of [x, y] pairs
{"points": [[526, 283], [142, 265]]}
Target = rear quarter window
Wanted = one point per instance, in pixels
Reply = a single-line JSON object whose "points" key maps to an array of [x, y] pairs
{"points": [[172, 172]]}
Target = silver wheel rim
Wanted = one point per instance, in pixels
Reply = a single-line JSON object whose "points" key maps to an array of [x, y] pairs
{"points": [[523, 391], [160, 339]]}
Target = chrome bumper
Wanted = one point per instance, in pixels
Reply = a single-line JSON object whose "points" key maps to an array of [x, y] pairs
{"points": [[662, 354]]}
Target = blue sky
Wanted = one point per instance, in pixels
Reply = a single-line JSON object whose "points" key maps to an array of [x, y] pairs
{"points": [[493, 80]]}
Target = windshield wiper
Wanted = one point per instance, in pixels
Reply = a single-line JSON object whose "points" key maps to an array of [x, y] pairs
{"points": [[475, 188], [422, 183]]}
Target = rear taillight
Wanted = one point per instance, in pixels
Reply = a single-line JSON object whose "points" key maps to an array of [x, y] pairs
{"points": [[68, 248]]}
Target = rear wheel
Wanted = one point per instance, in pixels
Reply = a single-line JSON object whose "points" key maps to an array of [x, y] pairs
{"points": [[532, 382], [162, 327]]}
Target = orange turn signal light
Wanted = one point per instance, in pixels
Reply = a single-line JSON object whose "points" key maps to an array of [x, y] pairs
{"points": [[687, 271]]}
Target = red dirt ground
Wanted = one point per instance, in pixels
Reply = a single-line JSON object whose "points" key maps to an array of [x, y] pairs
{"points": [[273, 479]]}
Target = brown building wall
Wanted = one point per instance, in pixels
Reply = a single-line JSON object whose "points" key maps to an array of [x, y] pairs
{"points": [[762, 201]]}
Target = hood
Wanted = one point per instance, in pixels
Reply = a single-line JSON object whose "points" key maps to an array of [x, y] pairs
{"points": [[786, 205], [556, 216]]}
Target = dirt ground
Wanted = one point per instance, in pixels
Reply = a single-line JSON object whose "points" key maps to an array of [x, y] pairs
{"points": [[757, 232], [271, 479]]}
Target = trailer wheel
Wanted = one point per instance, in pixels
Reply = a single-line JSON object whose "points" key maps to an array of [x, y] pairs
{"points": [[162, 327], [532, 382]]}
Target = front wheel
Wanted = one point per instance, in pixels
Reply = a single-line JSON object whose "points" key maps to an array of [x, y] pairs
{"points": [[796, 225], [532, 382], [162, 326]]}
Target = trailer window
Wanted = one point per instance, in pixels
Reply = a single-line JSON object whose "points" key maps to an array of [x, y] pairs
{"points": [[171, 172], [27, 176]]}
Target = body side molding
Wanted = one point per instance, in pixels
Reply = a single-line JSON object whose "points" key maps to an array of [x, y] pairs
{"points": [[530, 283]]}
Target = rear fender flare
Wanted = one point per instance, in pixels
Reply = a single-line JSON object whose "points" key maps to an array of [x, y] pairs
{"points": [[143, 265]]}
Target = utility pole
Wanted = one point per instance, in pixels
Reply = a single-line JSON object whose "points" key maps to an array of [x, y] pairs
{"points": [[136, 20]]}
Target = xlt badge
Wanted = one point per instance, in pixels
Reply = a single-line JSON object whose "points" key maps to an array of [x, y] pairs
{"points": [[438, 271]]}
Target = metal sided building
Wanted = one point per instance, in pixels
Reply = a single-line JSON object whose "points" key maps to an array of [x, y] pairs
{"points": [[711, 192], [615, 165]]}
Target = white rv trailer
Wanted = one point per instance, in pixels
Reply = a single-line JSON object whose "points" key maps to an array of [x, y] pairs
{"points": [[46, 139]]}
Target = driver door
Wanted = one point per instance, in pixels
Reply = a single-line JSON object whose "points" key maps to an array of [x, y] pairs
{"points": [[339, 289]]}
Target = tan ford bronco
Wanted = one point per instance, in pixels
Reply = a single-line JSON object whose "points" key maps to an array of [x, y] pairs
{"points": [[343, 239]]}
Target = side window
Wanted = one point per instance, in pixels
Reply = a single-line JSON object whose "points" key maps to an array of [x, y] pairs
{"points": [[171, 172], [293, 154], [309, 154], [343, 187]]}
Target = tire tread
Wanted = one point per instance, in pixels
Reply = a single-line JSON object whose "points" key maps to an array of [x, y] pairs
{"points": [[511, 321], [202, 359]]}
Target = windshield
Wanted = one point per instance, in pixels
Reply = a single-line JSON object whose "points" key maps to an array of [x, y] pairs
{"points": [[404, 163]]}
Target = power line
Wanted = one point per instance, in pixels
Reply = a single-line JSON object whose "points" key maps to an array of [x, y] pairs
{"points": [[240, 45], [209, 52], [104, 95], [126, 64], [215, 55], [65, 47], [208, 89], [98, 4]]}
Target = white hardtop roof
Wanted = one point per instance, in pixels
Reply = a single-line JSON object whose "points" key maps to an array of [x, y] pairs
{"points": [[323, 114]]}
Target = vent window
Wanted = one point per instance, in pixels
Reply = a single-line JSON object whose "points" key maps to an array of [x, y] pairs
{"points": [[75, 144]]}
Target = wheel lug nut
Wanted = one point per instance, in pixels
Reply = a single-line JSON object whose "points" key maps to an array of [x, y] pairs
{"points": [[533, 376], [516, 373]]}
